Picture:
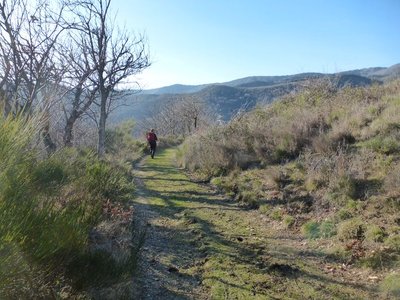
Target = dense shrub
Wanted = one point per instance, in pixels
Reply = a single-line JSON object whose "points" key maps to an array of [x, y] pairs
{"points": [[345, 146], [47, 209], [353, 229], [120, 141]]}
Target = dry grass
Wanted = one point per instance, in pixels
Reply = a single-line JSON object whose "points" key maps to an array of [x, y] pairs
{"points": [[317, 155]]}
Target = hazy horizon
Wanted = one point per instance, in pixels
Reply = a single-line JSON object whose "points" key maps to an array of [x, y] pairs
{"points": [[195, 43]]}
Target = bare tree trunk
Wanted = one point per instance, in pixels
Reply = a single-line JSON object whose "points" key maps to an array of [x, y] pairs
{"points": [[68, 131], [6, 106], [76, 112], [7, 109], [101, 150], [47, 140]]}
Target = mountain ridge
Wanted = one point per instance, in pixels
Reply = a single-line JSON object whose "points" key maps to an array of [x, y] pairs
{"points": [[374, 73], [227, 98]]}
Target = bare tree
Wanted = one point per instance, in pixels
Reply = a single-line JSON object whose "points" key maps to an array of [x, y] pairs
{"points": [[28, 39], [81, 90], [30, 69], [12, 16], [181, 116], [192, 108], [113, 53], [37, 69]]}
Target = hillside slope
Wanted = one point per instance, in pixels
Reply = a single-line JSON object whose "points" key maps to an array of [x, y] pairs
{"points": [[322, 164], [202, 245], [244, 94]]}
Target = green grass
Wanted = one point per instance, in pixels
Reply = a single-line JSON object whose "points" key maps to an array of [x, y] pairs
{"points": [[331, 157], [391, 285], [47, 208], [239, 257]]}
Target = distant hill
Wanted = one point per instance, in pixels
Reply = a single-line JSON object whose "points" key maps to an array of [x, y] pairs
{"points": [[382, 74], [175, 89], [245, 93]]}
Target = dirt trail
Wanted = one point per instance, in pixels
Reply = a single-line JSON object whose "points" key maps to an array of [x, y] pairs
{"points": [[200, 245], [167, 252]]}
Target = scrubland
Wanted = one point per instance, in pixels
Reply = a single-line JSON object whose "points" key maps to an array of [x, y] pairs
{"points": [[321, 163], [56, 212]]}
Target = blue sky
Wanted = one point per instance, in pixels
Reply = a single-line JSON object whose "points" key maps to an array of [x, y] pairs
{"points": [[205, 41]]}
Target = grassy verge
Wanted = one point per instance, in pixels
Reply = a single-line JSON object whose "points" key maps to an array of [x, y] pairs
{"points": [[321, 164], [48, 211], [239, 255]]}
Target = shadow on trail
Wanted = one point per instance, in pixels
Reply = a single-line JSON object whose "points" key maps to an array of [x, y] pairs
{"points": [[208, 241], [164, 179], [188, 200], [258, 257]]}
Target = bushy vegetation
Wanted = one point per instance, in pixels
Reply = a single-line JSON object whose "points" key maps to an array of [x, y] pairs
{"points": [[48, 207], [120, 141], [322, 161]]}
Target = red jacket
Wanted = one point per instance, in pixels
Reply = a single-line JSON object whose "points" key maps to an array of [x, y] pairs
{"points": [[151, 137]]}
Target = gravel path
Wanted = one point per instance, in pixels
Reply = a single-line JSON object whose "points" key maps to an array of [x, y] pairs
{"points": [[166, 253]]}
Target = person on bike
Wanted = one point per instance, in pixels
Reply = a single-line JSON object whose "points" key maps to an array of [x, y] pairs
{"points": [[152, 139]]}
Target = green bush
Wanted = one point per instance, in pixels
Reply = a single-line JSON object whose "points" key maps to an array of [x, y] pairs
{"points": [[250, 198], [393, 242], [100, 267], [276, 214], [120, 141], [311, 184], [311, 229], [381, 144], [344, 214], [391, 285], [217, 181], [106, 181], [47, 208], [49, 174], [351, 229], [228, 183], [347, 186], [265, 208], [327, 229], [289, 221], [375, 233]]}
